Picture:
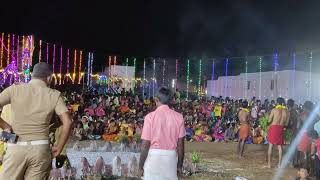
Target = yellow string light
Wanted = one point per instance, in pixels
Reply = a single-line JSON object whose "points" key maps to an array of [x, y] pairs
{"points": [[74, 65], [40, 51], [1, 57], [8, 54], [79, 73]]}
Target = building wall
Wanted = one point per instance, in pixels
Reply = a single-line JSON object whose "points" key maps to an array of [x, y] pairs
{"points": [[287, 84]]}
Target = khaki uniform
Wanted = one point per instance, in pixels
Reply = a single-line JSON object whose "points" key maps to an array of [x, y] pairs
{"points": [[32, 105]]}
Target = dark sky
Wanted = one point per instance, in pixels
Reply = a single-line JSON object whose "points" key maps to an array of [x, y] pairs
{"points": [[184, 28]]}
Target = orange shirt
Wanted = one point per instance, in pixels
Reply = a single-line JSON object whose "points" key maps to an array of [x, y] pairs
{"points": [[163, 127]]}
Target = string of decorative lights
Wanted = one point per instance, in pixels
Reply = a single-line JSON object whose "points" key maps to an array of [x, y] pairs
{"points": [[80, 73], [199, 80], [54, 57], [212, 76], [40, 49], [68, 60], [60, 68], [260, 76], [74, 65], [188, 76], [163, 72], [8, 50], [18, 44], [127, 63], [310, 76], [89, 75], [1, 57], [144, 77], [226, 80], [91, 68], [153, 76], [246, 80], [13, 41]]}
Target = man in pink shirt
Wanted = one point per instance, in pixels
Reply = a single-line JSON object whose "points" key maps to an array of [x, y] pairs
{"points": [[162, 138]]}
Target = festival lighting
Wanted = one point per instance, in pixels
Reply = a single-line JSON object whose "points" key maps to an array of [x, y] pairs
{"points": [[153, 76], [60, 68], [88, 75], [48, 53], [260, 76], [74, 64], [199, 80], [127, 63], [2, 43], [163, 72], [40, 45], [68, 60], [188, 76], [13, 38], [144, 77], [18, 44], [134, 66], [91, 67], [80, 67], [54, 57], [8, 50], [310, 76], [177, 61], [109, 66], [246, 81], [226, 80]]}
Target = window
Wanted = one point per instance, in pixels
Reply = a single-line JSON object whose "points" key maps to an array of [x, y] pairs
{"points": [[248, 85], [272, 84]]}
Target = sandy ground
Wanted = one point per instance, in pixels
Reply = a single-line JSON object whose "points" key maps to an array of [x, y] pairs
{"points": [[221, 162]]}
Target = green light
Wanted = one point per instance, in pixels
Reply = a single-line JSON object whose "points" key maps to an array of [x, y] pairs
{"points": [[188, 76]]}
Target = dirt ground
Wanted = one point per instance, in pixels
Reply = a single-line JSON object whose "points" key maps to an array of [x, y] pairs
{"points": [[222, 162]]}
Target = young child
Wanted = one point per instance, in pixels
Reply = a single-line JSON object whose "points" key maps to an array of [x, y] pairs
{"points": [[303, 174]]}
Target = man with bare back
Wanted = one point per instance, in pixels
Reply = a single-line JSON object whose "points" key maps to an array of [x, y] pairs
{"points": [[278, 118], [244, 131]]}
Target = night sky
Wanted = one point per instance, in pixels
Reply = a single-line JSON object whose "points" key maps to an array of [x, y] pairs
{"points": [[170, 29]]}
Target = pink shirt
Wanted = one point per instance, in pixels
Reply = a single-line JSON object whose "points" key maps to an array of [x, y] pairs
{"points": [[163, 127]]}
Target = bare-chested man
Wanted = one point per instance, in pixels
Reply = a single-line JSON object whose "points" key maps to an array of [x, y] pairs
{"points": [[278, 118], [243, 116]]}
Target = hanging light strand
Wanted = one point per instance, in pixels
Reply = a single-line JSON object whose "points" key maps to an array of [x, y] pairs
{"points": [[260, 76], [310, 76], [163, 72], [226, 80], [153, 77], [80, 64], [40, 49], [144, 78], [60, 67], [8, 49], [246, 80], [2, 43], [54, 58], [18, 44], [199, 80], [188, 76], [68, 60]]}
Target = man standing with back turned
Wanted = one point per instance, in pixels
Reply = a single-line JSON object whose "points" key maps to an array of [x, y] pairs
{"points": [[33, 105], [278, 118], [162, 137]]}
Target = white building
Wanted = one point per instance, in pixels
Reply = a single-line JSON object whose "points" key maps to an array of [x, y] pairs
{"points": [[268, 85]]}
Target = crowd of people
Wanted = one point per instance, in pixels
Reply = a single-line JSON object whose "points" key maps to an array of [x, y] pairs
{"points": [[109, 116]]}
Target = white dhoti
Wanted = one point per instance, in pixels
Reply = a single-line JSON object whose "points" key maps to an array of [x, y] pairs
{"points": [[161, 165]]}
